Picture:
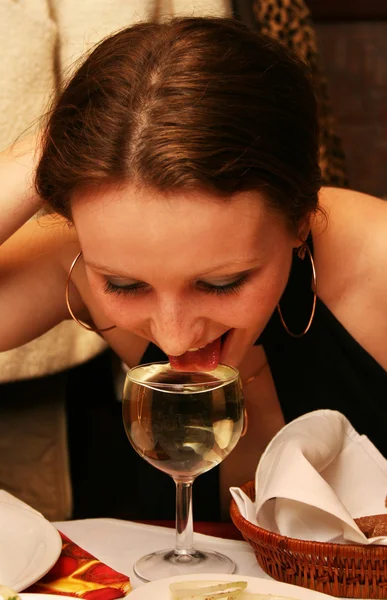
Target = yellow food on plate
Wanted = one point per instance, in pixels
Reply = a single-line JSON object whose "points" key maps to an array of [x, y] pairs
{"points": [[8, 594], [207, 590], [217, 590]]}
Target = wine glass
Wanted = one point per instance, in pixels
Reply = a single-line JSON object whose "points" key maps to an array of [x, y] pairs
{"points": [[183, 423]]}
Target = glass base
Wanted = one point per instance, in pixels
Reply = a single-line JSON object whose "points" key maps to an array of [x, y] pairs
{"points": [[167, 563]]}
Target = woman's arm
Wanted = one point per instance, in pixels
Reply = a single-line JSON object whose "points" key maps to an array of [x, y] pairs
{"points": [[32, 277], [32, 281], [18, 198]]}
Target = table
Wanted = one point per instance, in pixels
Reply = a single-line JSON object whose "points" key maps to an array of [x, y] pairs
{"points": [[120, 543], [221, 529]]}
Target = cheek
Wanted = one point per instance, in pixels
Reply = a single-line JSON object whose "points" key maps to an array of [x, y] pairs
{"points": [[126, 312], [255, 305], [129, 314], [274, 283]]}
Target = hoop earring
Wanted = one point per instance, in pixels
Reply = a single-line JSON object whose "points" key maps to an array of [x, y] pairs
{"points": [[67, 293], [301, 254]]}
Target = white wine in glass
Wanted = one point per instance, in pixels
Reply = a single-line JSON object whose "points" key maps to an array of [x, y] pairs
{"points": [[183, 423]]}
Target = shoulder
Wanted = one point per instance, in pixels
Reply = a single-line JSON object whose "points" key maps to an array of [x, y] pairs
{"points": [[350, 256], [350, 237], [352, 205]]}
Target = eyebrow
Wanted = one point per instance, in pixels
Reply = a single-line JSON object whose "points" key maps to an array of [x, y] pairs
{"points": [[233, 263], [230, 264]]}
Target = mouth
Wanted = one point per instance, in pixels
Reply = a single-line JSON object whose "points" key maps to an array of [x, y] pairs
{"points": [[205, 358]]}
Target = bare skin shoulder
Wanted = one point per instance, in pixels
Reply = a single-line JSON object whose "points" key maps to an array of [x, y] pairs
{"points": [[350, 253]]}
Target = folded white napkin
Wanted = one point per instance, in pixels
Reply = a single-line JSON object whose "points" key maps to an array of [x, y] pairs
{"points": [[317, 475]]}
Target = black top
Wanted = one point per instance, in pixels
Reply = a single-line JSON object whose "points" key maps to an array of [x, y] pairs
{"points": [[327, 367]]}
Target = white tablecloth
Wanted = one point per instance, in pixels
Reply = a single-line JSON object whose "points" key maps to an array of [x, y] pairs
{"points": [[120, 543]]}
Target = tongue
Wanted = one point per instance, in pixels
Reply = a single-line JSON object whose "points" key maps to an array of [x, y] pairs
{"points": [[205, 359]]}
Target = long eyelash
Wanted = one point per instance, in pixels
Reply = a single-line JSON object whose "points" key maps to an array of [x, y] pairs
{"points": [[230, 288], [111, 288], [135, 288]]}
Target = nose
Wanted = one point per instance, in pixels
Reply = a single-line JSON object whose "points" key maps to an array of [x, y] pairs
{"points": [[176, 326]]}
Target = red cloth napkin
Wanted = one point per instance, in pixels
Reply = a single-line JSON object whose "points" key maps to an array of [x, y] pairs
{"points": [[78, 573]]}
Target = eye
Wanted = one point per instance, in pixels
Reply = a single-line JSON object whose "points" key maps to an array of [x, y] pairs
{"points": [[232, 287], [132, 288]]}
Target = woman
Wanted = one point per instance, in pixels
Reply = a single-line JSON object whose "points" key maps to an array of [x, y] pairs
{"points": [[184, 156]]}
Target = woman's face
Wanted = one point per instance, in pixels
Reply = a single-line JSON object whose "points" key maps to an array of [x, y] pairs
{"points": [[185, 268]]}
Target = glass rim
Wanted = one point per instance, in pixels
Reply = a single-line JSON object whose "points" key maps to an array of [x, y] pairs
{"points": [[170, 386]]}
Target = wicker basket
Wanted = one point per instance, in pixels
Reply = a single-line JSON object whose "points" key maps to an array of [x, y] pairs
{"points": [[351, 571]]}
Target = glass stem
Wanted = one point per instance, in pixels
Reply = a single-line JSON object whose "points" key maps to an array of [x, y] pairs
{"points": [[184, 520]]}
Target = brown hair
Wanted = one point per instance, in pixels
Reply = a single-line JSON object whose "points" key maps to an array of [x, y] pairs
{"points": [[190, 103]]}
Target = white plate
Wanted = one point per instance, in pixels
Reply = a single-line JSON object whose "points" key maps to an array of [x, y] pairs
{"points": [[29, 546], [160, 589]]}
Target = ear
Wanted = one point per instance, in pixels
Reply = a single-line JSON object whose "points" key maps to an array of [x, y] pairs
{"points": [[303, 231]]}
